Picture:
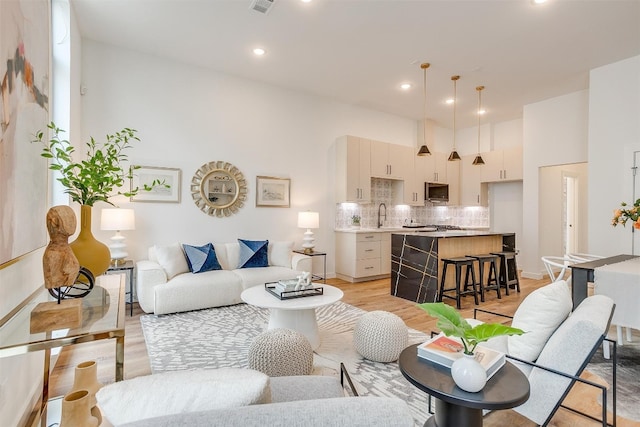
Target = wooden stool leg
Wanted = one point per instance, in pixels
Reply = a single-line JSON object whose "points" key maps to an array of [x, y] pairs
{"points": [[444, 276], [481, 270], [504, 278], [458, 274], [492, 269], [471, 270]]}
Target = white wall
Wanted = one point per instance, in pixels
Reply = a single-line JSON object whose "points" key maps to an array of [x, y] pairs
{"points": [[21, 376], [188, 116], [555, 133], [614, 134], [551, 208]]}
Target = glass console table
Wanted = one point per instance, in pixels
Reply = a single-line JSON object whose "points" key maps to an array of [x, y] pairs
{"points": [[103, 313]]}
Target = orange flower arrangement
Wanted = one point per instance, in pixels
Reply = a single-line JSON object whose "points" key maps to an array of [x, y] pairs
{"points": [[622, 215]]}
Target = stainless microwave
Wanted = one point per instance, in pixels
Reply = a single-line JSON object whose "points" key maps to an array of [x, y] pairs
{"points": [[434, 192]]}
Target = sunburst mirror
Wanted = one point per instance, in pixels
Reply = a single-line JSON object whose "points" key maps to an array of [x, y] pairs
{"points": [[219, 189]]}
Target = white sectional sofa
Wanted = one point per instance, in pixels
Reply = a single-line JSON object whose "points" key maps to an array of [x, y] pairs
{"points": [[164, 283]]}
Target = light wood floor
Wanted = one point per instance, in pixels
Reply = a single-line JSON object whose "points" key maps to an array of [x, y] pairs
{"points": [[372, 295]]}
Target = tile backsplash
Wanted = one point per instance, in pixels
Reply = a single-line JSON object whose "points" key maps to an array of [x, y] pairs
{"points": [[399, 215]]}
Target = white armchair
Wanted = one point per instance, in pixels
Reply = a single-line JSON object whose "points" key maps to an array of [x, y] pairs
{"points": [[562, 357]]}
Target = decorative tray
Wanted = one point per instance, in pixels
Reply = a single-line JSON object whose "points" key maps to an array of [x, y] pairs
{"points": [[271, 288]]}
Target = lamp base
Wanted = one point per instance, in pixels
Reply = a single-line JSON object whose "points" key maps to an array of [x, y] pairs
{"points": [[307, 241]]}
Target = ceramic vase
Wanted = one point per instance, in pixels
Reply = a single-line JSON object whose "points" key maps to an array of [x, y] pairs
{"points": [[86, 378], [468, 373], [76, 411], [91, 253]]}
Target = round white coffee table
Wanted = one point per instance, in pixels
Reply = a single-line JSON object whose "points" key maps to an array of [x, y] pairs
{"points": [[295, 313]]}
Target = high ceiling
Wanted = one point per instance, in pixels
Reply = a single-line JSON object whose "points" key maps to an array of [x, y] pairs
{"points": [[360, 51]]}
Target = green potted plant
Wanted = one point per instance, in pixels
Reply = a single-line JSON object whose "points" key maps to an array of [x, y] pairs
{"points": [[355, 221], [467, 373], [94, 179]]}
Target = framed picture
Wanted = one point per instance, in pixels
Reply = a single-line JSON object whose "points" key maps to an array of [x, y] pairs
{"points": [[272, 192], [156, 184], [24, 106]]}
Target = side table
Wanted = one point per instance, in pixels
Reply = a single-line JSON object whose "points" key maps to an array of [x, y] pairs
{"points": [[128, 267], [507, 388], [324, 269]]}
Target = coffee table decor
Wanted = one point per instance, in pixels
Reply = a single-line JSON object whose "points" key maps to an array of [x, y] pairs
{"points": [[284, 294], [467, 371]]}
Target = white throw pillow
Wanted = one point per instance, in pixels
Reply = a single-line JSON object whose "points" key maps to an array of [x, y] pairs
{"points": [[182, 391], [172, 260], [539, 315], [279, 253]]}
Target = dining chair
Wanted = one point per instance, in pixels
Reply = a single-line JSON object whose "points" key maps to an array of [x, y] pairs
{"points": [[553, 263]]}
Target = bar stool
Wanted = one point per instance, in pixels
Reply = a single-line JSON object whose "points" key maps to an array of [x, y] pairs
{"points": [[492, 275], [469, 281], [508, 276]]}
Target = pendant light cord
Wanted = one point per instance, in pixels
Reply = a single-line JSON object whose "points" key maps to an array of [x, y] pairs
{"points": [[455, 101], [479, 89]]}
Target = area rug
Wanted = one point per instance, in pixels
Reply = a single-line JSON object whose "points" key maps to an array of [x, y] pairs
{"points": [[220, 337], [628, 375]]}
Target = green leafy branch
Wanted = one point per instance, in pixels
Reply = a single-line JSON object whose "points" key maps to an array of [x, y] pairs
{"points": [[451, 323], [97, 177]]}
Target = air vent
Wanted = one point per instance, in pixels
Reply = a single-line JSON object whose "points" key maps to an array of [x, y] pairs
{"points": [[262, 6]]}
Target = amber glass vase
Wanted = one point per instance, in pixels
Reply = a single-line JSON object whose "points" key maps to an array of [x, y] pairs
{"points": [[91, 253]]}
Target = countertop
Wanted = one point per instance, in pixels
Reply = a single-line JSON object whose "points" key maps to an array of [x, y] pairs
{"points": [[427, 232]]}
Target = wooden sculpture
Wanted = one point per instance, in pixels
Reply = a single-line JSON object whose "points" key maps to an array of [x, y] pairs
{"points": [[60, 265]]}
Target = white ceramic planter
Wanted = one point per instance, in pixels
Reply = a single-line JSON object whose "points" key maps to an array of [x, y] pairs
{"points": [[468, 374]]}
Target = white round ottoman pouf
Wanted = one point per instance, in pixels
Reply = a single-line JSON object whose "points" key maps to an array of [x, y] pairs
{"points": [[380, 336], [281, 352]]}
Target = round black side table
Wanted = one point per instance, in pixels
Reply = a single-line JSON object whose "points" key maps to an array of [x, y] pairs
{"points": [[455, 407]]}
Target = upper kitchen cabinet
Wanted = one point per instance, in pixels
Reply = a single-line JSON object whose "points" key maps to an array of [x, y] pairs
{"points": [[472, 192], [353, 169], [435, 167], [414, 182], [453, 179], [390, 161], [502, 165]]}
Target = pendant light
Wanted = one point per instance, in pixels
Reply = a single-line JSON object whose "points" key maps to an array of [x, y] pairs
{"points": [[454, 154], [424, 150], [479, 160]]}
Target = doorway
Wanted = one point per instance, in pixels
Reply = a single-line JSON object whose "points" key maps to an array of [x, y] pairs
{"points": [[570, 182], [563, 209]]}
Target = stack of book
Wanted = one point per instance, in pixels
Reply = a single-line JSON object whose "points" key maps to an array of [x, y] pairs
{"points": [[445, 350], [286, 286]]}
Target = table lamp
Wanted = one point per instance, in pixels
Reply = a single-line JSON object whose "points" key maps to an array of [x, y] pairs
{"points": [[308, 220], [117, 220]]}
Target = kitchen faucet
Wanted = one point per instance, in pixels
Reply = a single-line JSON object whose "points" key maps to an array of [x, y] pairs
{"points": [[385, 214]]}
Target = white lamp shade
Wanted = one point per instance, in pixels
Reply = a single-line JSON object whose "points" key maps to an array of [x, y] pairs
{"points": [[117, 219], [308, 220]]}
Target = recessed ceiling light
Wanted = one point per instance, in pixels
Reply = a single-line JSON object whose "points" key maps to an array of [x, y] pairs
{"points": [[259, 51], [538, 1], [305, 1], [481, 112], [449, 101], [405, 86]]}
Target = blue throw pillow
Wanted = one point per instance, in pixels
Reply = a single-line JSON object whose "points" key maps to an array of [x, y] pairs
{"points": [[201, 258], [253, 253]]}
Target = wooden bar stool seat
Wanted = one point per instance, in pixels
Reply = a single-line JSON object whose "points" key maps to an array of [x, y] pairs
{"points": [[469, 281], [508, 276], [492, 274]]}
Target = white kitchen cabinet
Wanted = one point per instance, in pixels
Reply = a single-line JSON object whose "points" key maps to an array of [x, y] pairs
{"points": [[390, 161], [414, 183], [385, 253], [353, 169], [502, 165], [453, 179], [436, 167], [472, 192], [363, 256]]}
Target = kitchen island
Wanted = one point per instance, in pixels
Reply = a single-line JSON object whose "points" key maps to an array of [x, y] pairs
{"points": [[416, 266]]}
